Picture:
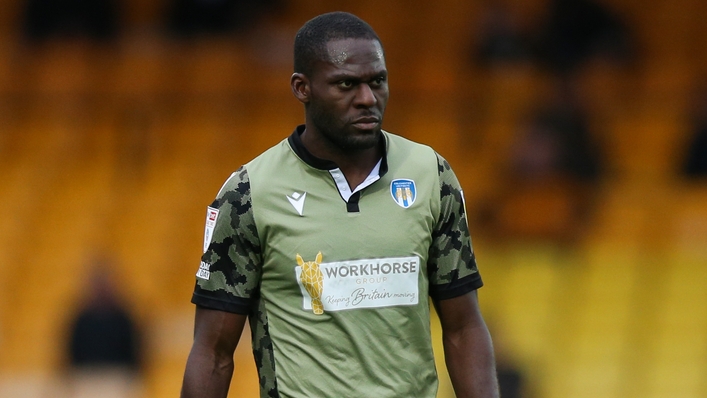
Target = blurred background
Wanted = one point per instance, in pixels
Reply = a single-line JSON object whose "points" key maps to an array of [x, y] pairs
{"points": [[578, 129]]}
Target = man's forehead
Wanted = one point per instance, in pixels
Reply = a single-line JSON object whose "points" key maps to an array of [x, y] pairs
{"points": [[342, 50]]}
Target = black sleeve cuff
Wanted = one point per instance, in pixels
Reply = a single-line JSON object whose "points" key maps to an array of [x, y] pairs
{"points": [[456, 287], [239, 305]]}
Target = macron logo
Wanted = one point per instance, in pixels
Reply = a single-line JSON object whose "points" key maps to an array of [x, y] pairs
{"points": [[297, 201]]}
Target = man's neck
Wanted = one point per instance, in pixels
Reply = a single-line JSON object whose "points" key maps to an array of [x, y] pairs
{"points": [[356, 166], [356, 172]]}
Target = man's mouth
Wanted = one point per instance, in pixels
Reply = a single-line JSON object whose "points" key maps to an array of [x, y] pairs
{"points": [[366, 123]]}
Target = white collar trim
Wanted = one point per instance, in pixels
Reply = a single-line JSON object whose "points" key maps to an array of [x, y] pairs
{"points": [[343, 185]]}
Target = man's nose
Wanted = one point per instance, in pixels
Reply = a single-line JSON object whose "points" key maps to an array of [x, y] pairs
{"points": [[365, 96]]}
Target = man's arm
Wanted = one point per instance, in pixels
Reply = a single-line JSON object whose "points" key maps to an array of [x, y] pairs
{"points": [[210, 364], [467, 347]]}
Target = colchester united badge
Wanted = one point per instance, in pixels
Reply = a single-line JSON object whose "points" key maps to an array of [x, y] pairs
{"points": [[403, 192]]}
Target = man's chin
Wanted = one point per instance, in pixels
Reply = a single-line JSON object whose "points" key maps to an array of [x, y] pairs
{"points": [[365, 139]]}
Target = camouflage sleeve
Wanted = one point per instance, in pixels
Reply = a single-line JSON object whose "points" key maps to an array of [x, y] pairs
{"points": [[451, 264], [229, 273]]}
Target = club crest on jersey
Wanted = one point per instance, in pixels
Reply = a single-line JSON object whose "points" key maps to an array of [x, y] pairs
{"points": [[403, 192]]}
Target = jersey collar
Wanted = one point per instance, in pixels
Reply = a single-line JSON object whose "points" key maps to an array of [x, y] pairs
{"points": [[295, 141]]}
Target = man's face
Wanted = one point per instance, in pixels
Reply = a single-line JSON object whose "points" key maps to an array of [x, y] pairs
{"points": [[349, 92]]}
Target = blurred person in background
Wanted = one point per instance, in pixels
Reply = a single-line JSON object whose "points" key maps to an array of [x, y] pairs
{"points": [[694, 157], [331, 243], [92, 19], [553, 166], [556, 139], [187, 18], [104, 341], [512, 377], [575, 31], [499, 38]]}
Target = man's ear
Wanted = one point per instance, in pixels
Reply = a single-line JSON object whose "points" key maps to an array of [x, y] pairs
{"points": [[300, 87]]}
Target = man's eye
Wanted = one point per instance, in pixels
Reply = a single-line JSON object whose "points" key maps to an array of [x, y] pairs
{"points": [[379, 81], [346, 84]]}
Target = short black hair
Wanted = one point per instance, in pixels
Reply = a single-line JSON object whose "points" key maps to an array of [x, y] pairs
{"points": [[313, 36]]}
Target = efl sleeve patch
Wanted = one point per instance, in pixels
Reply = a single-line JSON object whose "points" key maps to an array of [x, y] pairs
{"points": [[211, 216]]}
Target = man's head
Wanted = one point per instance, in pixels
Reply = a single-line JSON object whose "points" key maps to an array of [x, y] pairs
{"points": [[312, 38], [341, 78]]}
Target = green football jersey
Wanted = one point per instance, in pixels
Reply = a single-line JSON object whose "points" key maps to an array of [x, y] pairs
{"points": [[336, 281]]}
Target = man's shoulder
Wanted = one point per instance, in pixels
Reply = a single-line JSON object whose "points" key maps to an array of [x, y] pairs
{"points": [[239, 180], [271, 154], [401, 149], [399, 140], [274, 167]]}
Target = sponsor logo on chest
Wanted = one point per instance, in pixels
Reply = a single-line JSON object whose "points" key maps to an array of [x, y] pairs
{"points": [[366, 283]]}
